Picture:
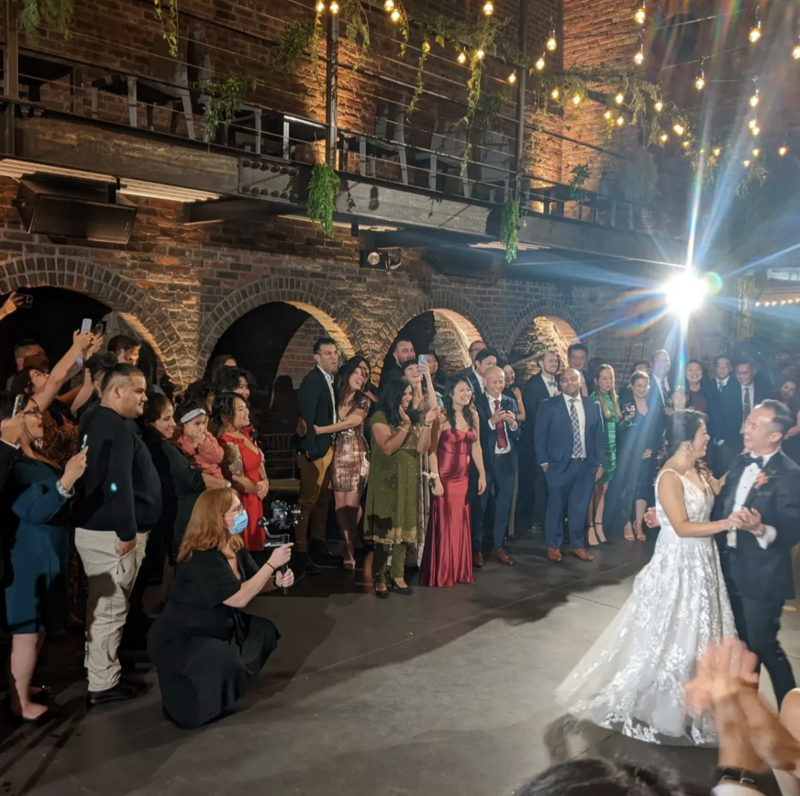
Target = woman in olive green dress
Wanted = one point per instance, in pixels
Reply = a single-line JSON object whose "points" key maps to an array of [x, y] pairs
{"points": [[605, 393], [391, 517]]}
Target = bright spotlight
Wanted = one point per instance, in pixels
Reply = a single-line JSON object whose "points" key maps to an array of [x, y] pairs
{"points": [[685, 293]]}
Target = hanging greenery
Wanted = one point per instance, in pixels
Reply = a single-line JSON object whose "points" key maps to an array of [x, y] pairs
{"points": [[316, 40], [754, 178], [55, 14], [167, 15], [509, 229], [322, 197], [356, 23], [580, 174], [420, 86], [296, 39], [490, 106], [224, 99]]}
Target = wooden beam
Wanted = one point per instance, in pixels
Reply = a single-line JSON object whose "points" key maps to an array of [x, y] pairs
{"points": [[232, 210]]}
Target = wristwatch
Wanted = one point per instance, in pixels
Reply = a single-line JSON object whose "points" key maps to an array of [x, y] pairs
{"points": [[733, 774]]}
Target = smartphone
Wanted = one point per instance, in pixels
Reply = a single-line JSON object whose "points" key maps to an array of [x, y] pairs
{"points": [[19, 402], [99, 329], [423, 359], [84, 441], [27, 301], [86, 325]]}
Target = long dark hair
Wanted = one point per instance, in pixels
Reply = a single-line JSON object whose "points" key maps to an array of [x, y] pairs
{"points": [[341, 384], [449, 409], [682, 427], [225, 406], [391, 396]]}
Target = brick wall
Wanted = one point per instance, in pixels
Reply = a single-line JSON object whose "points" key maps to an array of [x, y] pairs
{"points": [[298, 357]]}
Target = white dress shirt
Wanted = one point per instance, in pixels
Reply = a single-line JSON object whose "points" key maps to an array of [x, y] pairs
{"points": [[550, 383], [746, 484], [727, 788], [329, 382], [581, 417], [722, 383], [481, 385], [663, 388]]}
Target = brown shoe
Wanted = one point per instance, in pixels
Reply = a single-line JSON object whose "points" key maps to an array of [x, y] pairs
{"points": [[554, 554], [503, 557], [477, 560], [584, 555]]}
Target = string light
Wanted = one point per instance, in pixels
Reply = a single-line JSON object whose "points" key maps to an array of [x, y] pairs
{"points": [[755, 98], [388, 5], [796, 52], [552, 43], [334, 7], [555, 93], [576, 99], [716, 151], [620, 98], [540, 63], [756, 130], [488, 8], [641, 15], [755, 32], [659, 106], [512, 78], [638, 59], [320, 7], [679, 128], [752, 124], [608, 115], [620, 121], [685, 144], [700, 82], [783, 150], [395, 16], [462, 57], [664, 138], [746, 164], [756, 152], [479, 53]]}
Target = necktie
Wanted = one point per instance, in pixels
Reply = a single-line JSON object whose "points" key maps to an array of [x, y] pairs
{"points": [[747, 406], [502, 439], [577, 442], [720, 385], [758, 461]]}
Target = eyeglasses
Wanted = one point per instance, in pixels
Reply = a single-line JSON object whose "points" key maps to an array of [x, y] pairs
{"points": [[35, 411]]}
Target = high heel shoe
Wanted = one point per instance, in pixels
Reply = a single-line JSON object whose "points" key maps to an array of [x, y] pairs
{"points": [[591, 536], [640, 535], [601, 537], [404, 590], [18, 719], [382, 594], [349, 563], [626, 536]]}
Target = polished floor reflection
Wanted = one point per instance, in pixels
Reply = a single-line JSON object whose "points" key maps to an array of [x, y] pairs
{"points": [[444, 693]]}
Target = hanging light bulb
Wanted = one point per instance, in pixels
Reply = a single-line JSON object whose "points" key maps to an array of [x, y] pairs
{"points": [[756, 130], [663, 138], [754, 100], [620, 98], [796, 52], [512, 78], [783, 150], [488, 8], [576, 99], [756, 152], [638, 59], [320, 7], [462, 57], [717, 151], [479, 53], [755, 32], [700, 82], [640, 16], [659, 106], [555, 93], [620, 121], [540, 63], [746, 164], [608, 115], [334, 7], [685, 144], [552, 43], [753, 123], [388, 5], [395, 16], [679, 128]]}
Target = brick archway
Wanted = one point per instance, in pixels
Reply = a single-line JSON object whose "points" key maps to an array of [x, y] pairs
{"points": [[558, 312], [459, 311], [311, 296], [141, 312]]}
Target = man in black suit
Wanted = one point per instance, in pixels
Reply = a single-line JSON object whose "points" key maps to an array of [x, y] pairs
{"points": [[570, 446], [402, 352], [532, 497], [500, 433], [577, 356], [316, 402], [724, 416], [762, 492], [475, 347]]}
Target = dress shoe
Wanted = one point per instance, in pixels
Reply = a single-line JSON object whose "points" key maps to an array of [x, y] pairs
{"points": [[554, 554], [477, 560], [302, 564], [584, 555], [503, 557], [124, 689]]}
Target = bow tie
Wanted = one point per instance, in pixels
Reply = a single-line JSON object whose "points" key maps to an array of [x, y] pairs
{"points": [[758, 461]]}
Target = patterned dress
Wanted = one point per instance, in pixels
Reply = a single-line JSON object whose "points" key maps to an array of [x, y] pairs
{"points": [[351, 455]]}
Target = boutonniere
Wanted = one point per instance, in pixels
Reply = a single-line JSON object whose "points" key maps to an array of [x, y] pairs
{"points": [[764, 477]]}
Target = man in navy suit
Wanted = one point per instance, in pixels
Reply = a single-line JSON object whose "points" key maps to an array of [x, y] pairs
{"points": [[500, 433], [570, 444]]}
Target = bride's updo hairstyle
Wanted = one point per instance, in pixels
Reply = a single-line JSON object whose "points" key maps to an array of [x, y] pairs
{"points": [[682, 427]]}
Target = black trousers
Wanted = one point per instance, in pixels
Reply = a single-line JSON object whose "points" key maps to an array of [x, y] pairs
{"points": [[758, 623]]}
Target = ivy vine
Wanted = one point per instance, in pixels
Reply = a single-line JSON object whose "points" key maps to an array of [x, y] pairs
{"points": [[296, 39], [356, 23], [56, 14], [322, 197], [167, 15], [225, 97], [420, 85], [509, 229], [577, 184]]}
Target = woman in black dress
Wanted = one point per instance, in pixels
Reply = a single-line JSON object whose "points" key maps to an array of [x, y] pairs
{"points": [[204, 646]]}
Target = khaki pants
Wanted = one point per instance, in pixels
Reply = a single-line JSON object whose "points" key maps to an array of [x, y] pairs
{"points": [[111, 578], [315, 495]]}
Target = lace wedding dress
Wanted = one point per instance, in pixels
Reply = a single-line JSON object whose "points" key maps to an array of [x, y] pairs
{"points": [[632, 678]]}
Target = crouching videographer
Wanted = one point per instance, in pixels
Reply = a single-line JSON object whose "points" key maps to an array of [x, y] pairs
{"points": [[204, 646]]}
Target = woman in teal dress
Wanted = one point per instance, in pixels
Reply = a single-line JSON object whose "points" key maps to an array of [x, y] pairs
{"points": [[391, 517], [605, 393], [35, 591]]}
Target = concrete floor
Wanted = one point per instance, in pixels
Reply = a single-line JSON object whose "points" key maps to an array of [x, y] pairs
{"points": [[444, 693]]}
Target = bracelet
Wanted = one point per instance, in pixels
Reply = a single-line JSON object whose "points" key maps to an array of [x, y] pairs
{"points": [[735, 774], [435, 475], [228, 484], [63, 491], [271, 567]]}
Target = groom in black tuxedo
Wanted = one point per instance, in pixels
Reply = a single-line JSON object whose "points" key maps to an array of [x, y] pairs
{"points": [[762, 492]]}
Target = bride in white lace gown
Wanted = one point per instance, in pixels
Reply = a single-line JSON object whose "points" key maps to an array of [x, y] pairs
{"points": [[632, 678]]}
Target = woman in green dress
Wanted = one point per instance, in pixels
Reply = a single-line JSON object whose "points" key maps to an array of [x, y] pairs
{"points": [[391, 518], [605, 393]]}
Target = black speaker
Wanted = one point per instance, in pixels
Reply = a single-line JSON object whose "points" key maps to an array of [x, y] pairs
{"points": [[80, 209]]}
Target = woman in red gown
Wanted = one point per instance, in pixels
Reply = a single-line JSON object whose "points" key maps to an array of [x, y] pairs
{"points": [[447, 558], [245, 463]]}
